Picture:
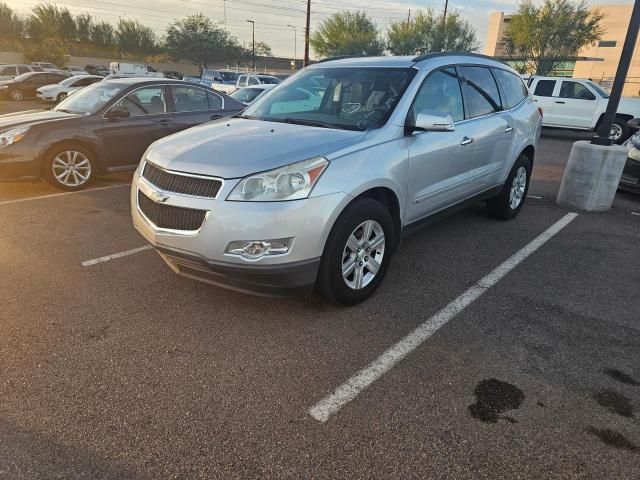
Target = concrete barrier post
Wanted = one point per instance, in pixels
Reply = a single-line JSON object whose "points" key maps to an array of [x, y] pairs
{"points": [[591, 176]]}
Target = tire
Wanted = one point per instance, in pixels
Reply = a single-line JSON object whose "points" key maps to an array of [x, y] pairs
{"points": [[69, 167], [620, 125], [513, 194], [16, 95], [346, 247], [61, 97]]}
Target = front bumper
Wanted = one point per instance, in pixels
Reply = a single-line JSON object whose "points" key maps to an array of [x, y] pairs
{"points": [[20, 162], [201, 254], [49, 97]]}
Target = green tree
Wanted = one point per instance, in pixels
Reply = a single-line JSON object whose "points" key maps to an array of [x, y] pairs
{"points": [[543, 36], [52, 50], [263, 49], [102, 35], [11, 26], [49, 21], [347, 33], [428, 32], [198, 40], [134, 37], [84, 22]]}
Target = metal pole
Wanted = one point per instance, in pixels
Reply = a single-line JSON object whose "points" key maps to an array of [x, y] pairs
{"points": [[306, 35], [224, 8], [253, 43], [444, 24], [602, 136], [295, 38]]}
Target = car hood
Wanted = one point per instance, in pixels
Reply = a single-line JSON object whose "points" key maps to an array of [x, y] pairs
{"points": [[7, 82], [630, 105], [31, 117], [51, 86], [233, 148]]}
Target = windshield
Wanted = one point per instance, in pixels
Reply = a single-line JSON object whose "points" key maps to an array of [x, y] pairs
{"points": [[68, 81], [229, 76], [90, 99], [24, 76], [246, 95], [601, 91], [346, 98], [269, 80]]}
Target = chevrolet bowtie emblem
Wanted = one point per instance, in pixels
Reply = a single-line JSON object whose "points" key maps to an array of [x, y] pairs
{"points": [[159, 197]]}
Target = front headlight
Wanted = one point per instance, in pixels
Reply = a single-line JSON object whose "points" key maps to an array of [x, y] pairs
{"points": [[291, 182], [12, 136]]}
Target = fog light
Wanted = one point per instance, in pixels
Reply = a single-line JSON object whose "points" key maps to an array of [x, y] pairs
{"points": [[253, 249]]}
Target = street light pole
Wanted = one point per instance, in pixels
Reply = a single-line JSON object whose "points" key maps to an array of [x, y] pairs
{"points": [[603, 134], [305, 63], [295, 38], [253, 43]]}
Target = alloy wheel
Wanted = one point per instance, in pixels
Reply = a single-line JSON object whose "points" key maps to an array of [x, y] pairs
{"points": [[362, 255], [616, 131], [16, 95], [71, 168], [518, 186]]}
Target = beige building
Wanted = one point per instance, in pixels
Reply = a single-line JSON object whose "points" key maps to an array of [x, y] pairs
{"points": [[599, 61]]}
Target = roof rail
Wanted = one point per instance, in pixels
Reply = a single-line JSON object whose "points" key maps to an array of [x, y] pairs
{"points": [[339, 57], [427, 56]]}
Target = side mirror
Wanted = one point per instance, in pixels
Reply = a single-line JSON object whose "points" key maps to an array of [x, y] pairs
{"points": [[118, 112], [430, 121]]}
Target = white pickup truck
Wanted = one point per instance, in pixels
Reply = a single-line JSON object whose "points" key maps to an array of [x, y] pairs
{"points": [[579, 104]]}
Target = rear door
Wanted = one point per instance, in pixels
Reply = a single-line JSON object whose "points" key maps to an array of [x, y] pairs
{"points": [[542, 92], [149, 119], [193, 106], [575, 105]]}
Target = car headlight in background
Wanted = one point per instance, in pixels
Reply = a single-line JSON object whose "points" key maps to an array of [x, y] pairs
{"points": [[2, 87], [12, 136], [291, 182]]}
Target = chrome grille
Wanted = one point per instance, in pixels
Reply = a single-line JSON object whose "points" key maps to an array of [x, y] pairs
{"points": [[169, 216], [178, 183]]}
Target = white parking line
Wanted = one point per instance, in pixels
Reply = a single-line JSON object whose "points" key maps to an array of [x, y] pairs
{"points": [[534, 196], [350, 389], [28, 199], [635, 213], [113, 256]]}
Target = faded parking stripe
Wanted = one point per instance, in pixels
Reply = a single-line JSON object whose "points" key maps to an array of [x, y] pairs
{"points": [[113, 256], [28, 199]]}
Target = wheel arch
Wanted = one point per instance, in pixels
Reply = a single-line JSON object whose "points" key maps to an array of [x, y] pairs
{"points": [[73, 142], [624, 116]]}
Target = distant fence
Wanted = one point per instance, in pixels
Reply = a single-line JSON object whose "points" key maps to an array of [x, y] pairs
{"points": [[263, 64]]}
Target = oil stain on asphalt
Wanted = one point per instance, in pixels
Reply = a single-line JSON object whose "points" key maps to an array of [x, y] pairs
{"points": [[613, 438], [621, 377], [615, 402], [494, 397]]}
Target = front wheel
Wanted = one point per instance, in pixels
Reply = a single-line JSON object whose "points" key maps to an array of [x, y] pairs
{"points": [[619, 130], [69, 167], [512, 196], [17, 95], [357, 253], [61, 97]]}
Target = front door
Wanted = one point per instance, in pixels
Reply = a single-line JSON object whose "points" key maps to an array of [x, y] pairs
{"points": [[543, 96], [149, 119], [574, 106], [439, 162]]}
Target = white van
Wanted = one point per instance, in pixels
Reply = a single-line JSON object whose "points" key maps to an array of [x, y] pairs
{"points": [[133, 70]]}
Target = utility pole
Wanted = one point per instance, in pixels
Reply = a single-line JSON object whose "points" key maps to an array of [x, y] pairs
{"points": [[306, 35], [409, 17], [603, 134], [295, 39], [224, 9], [253, 44], [444, 23]]}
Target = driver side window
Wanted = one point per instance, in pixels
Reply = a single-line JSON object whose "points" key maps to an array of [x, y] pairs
{"points": [[575, 90], [440, 93], [144, 101]]}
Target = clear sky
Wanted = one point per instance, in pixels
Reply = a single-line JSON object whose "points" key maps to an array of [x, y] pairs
{"points": [[272, 16]]}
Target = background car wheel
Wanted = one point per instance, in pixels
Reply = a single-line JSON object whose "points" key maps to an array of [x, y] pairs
{"points": [[16, 95], [69, 167], [619, 130], [514, 192], [62, 96], [357, 253]]}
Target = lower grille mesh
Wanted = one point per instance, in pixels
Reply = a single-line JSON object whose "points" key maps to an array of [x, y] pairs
{"points": [[168, 216]]}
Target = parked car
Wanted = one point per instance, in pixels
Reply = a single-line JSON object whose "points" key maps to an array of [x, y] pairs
{"points": [[580, 104], [247, 95], [290, 195], [249, 80], [11, 71], [630, 180], [221, 80], [56, 92], [173, 74], [105, 126], [71, 70], [97, 70], [25, 85], [133, 70], [50, 67]]}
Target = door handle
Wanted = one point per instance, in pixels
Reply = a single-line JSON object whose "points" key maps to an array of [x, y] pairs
{"points": [[559, 102], [508, 129], [466, 141]]}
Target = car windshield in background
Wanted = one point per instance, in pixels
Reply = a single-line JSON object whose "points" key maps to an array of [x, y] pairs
{"points": [[246, 95], [229, 76], [269, 80], [345, 98], [24, 76], [90, 99], [601, 91]]}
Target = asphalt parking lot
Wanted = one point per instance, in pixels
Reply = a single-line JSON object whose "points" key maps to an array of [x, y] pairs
{"points": [[113, 367]]}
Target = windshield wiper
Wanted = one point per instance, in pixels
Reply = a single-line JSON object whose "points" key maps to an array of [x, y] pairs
{"points": [[310, 123]]}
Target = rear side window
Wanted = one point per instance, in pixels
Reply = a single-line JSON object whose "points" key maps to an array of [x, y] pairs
{"points": [[189, 99], [242, 80], [254, 81], [480, 90], [8, 71], [215, 101], [512, 86], [575, 90], [544, 88], [439, 93]]}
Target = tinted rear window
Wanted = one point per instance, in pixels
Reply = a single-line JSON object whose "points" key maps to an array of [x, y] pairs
{"points": [[480, 90], [544, 88], [512, 86]]}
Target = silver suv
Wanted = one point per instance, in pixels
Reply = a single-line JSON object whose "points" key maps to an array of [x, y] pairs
{"points": [[315, 183]]}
